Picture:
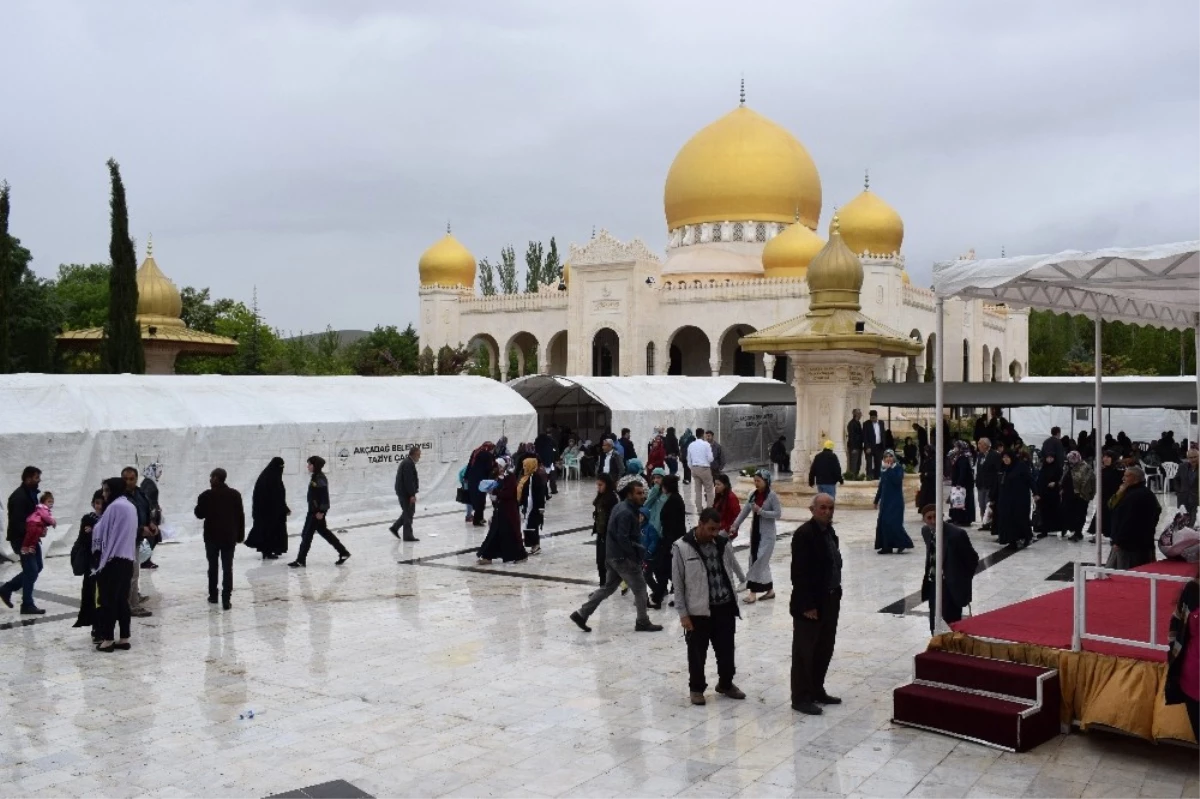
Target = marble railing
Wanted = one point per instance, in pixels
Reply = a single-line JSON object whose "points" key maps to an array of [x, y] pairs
{"points": [[503, 303], [670, 292], [918, 297]]}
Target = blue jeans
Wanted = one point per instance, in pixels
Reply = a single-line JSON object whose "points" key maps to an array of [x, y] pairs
{"points": [[31, 565], [829, 488]]}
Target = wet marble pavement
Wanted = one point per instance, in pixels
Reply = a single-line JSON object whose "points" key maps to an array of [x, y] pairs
{"points": [[435, 677]]}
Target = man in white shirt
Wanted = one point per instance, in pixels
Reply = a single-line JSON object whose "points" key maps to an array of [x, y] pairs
{"points": [[700, 458]]}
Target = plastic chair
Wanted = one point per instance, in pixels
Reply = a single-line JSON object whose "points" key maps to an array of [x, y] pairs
{"points": [[571, 464], [1169, 469]]}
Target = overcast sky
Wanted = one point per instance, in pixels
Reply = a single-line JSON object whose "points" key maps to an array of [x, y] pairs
{"points": [[315, 149]]}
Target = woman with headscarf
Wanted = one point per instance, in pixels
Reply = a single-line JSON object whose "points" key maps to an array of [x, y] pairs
{"points": [[479, 468], [1078, 488], [504, 533], [501, 447], [671, 450], [602, 505], [531, 494], [890, 535], [656, 456], [765, 507], [114, 556], [1047, 493], [1014, 491], [780, 455], [269, 511], [927, 493], [726, 503], [81, 564], [962, 476]]}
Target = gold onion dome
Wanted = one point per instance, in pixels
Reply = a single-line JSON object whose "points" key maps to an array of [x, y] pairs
{"points": [[742, 167], [904, 278], [835, 276], [790, 253], [159, 302], [447, 263], [871, 226]]}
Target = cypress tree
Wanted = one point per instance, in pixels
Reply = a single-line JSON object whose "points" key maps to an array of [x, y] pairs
{"points": [[122, 335], [7, 283]]}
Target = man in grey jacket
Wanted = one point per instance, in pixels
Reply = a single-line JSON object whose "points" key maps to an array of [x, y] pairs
{"points": [[707, 603], [624, 555], [408, 483]]}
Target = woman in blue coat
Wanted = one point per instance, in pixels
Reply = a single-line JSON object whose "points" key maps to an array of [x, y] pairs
{"points": [[890, 535]]}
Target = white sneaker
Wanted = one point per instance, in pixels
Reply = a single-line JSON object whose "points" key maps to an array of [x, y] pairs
{"points": [[750, 598]]}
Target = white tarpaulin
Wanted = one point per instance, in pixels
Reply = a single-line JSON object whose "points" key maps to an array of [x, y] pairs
{"points": [[1140, 424], [592, 405], [79, 429]]}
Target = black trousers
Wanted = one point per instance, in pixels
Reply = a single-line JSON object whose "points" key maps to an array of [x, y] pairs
{"points": [[950, 611], [601, 565], [812, 649], [408, 509], [874, 460], [114, 580], [313, 525], [659, 572], [719, 630], [479, 501], [224, 554], [1193, 711], [87, 603]]}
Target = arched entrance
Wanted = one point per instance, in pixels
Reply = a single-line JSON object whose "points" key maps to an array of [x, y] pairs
{"points": [[930, 356], [522, 354], [966, 372], [557, 353], [997, 365], [1015, 371], [733, 360], [911, 372], [486, 352], [986, 371], [606, 353], [780, 370], [650, 358], [690, 351]]}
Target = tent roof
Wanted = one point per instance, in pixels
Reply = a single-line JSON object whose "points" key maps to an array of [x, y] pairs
{"points": [[1169, 392], [59, 403], [1157, 285], [635, 393]]}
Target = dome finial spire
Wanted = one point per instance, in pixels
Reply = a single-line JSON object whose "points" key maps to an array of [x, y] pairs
{"points": [[150, 245], [836, 225], [797, 212], [867, 179], [742, 93], [447, 227]]}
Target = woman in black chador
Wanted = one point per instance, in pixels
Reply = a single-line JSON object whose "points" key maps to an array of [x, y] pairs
{"points": [[1048, 492], [504, 532], [270, 512], [1014, 501]]}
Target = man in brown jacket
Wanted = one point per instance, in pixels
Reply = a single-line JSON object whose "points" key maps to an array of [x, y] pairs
{"points": [[224, 528]]}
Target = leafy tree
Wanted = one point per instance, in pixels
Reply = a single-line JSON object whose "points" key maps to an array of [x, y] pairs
{"points": [[552, 269], [460, 361], [36, 319], [426, 362], [487, 278], [507, 271], [9, 277], [258, 345], [123, 335], [1061, 344], [82, 292], [533, 267], [386, 351]]}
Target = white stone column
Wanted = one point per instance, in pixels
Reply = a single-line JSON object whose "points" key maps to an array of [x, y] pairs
{"points": [[828, 386], [768, 364], [543, 359], [715, 365]]}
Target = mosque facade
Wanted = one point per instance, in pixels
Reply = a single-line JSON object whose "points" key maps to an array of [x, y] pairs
{"points": [[743, 204]]}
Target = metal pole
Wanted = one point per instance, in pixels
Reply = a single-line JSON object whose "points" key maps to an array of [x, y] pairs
{"points": [[1097, 411], [1197, 436], [1079, 587], [939, 461]]}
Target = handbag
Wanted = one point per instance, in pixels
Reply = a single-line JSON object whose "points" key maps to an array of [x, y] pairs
{"points": [[462, 496]]}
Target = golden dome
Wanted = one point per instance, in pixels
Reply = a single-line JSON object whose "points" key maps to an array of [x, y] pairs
{"points": [[742, 167], [869, 225], [904, 278], [789, 253], [835, 276], [566, 275], [447, 263], [159, 302]]}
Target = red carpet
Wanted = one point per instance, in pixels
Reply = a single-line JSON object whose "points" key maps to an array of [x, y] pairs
{"points": [[1118, 607]]}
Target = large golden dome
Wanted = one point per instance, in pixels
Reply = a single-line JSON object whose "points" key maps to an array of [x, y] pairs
{"points": [[789, 253], [742, 167], [447, 263], [869, 225], [159, 302]]}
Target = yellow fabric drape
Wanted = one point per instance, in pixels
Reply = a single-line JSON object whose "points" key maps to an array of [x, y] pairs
{"points": [[1115, 692]]}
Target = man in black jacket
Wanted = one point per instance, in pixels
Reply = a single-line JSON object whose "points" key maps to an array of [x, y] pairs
{"points": [[627, 445], [146, 529], [224, 528], [854, 441], [547, 454], [960, 560], [1135, 512], [408, 483], [874, 443], [815, 605], [826, 471], [21, 503], [987, 472]]}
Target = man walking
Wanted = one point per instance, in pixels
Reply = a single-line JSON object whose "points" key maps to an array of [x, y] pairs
{"points": [[718, 453], [408, 483], [815, 605], [224, 528], [628, 451], [700, 460], [873, 445], [707, 603], [316, 521], [854, 441], [826, 471], [624, 555], [21, 503], [547, 453], [611, 462], [146, 529], [1054, 446], [987, 474]]}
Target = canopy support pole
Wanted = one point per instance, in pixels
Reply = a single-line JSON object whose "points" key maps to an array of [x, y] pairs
{"points": [[1096, 413], [939, 462], [1197, 352]]}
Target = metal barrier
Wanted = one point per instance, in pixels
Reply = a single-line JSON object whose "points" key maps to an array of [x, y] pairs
{"points": [[1080, 633]]}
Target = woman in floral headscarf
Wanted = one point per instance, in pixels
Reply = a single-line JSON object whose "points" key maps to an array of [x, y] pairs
{"points": [[1078, 488], [890, 535], [961, 476], [764, 504]]}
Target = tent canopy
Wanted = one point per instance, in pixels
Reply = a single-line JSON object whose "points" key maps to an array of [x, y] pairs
{"points": [[639, 393], [1157, 285]]}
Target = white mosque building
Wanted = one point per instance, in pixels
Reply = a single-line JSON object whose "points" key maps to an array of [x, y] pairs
{"points": [[742, 204]]}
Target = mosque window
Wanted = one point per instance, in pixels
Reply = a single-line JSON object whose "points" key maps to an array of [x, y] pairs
{"points": [[760, 232], [716, 231], [738, 231]]}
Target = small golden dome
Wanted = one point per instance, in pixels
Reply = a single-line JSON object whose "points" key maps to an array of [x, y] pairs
{"points": [[835, 276], [904, 278], [869, 225], [566, 275], [447, 263], [742, 167], [789, 253], [159, 302]]}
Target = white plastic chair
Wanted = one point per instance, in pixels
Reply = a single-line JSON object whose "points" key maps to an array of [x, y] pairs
{"points": [[571, 464], [1169, 470]]}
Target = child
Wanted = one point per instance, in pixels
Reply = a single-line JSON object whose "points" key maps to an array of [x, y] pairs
{"points": [[31, 549]]}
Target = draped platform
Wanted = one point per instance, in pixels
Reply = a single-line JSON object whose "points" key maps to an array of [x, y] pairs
{"points": [[1106, 684]]}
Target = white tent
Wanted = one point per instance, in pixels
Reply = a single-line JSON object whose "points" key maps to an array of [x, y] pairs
{"points": [[1157, 286], [593, 405], [80, 429], [1140, 424]]}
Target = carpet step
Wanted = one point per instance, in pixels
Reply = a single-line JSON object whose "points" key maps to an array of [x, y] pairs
{"points": [[980, 674]]}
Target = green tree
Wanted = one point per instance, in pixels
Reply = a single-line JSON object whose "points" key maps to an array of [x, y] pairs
{"points": [[386, 351], [258, 345], [123, 335], [9, 277], [426, 362], [82, 292], [552, 269], [36, 319], [507, 271], [533, 267], [487, 278]]}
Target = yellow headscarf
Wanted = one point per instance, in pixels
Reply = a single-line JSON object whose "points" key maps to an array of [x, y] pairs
{"points": [[528, 467]]}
